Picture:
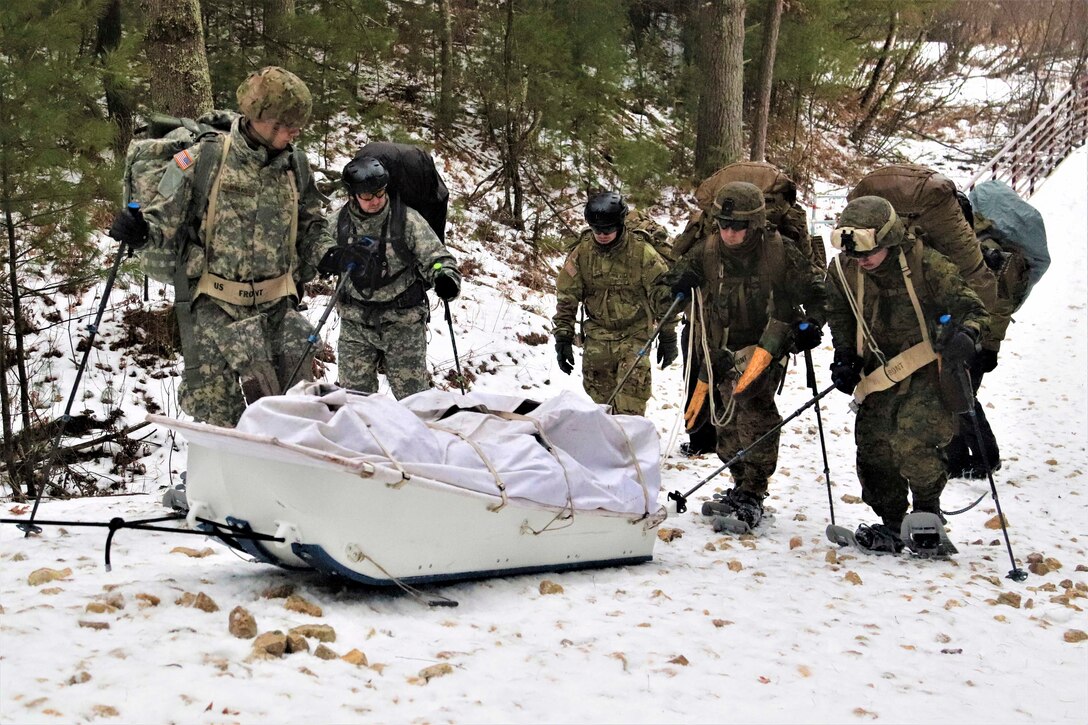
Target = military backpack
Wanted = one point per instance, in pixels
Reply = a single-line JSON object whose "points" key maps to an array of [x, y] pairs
{"points": [[163, 141], [1013, 236]]}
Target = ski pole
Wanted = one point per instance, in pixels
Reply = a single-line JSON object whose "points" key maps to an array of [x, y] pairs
{"points": [[453, 342], [29, 527], [682, 498], [964, 378], [810, 377], [313, 338], [646, 348]]}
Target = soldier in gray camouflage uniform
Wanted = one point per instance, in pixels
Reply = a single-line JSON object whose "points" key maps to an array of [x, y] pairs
{"points": [[257, 239], [391, 256], [886, 292]]}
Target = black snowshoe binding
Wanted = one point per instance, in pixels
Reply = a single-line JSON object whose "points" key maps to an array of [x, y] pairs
{"points": [[871, 539], [878, 538], [923, 533], [691, 450], [734, 512]]}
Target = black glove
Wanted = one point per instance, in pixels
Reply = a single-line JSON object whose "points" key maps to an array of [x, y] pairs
{"points": [[446, 284], [359, 256], [330, 264], [846, 370], [806, 335], [959, 346], [685, 283], [986, 360], [564, 353], [666, 348], [129, 227]]}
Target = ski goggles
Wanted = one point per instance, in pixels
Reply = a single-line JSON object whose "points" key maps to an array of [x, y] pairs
{"points": [[854, 241], [605, 230], [379, 194], [734, 225]]}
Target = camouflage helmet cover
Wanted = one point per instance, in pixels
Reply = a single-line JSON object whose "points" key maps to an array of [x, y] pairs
{"points": [[741, 201], [275, 94], [872, 213]]}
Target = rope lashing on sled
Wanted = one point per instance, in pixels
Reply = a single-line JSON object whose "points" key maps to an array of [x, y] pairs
{"points": [[483, 457], [386, 452], [634, 461], [411, 591], [550, 448]]}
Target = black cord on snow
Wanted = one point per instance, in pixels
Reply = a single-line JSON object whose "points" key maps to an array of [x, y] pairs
{"points": [[966, 508], [117, 523]]}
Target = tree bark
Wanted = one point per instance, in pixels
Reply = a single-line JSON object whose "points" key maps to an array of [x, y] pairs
{"points": [[180, 81], [882, 60], [766, 79], [719, 132], [447, 105], [118, 103]]}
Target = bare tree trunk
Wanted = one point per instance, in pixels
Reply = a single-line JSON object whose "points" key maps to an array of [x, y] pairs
{"points": [[866, 125], [118, 103], [8, 444], [179, 78], [766, 79], [447, 108], [276, 13], [719, 132], [511, 143], [881, 61]]}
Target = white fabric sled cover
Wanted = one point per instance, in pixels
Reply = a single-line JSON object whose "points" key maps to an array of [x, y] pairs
{"points": [[597, 460]]}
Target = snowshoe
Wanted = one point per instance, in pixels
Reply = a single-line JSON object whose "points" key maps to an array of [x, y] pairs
{"points": [[870, 539], [175, 497], [923, 533], [734, 512], [978, 472]]}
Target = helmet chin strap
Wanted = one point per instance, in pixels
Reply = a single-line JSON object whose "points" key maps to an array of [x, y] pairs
{"points": [[251, 132]]}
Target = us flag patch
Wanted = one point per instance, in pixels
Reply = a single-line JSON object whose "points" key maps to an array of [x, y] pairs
{"points": [[183, 159]]}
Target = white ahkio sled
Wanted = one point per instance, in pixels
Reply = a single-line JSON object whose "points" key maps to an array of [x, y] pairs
{"points": [[436, 487]]}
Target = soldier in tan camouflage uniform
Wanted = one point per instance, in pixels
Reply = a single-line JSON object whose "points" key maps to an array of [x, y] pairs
{"points": [[750, 282], [391, 256], [615, 274], [257, 240], [885, 277]]}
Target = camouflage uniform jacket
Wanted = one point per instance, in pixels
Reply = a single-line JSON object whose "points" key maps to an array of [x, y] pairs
{"points": [[744, 288], [256, 210], [395, 275], [887, 306], [619, 286]]}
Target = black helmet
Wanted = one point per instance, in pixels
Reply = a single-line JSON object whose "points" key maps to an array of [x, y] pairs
{"points": [[606, 211], [365, 175]]}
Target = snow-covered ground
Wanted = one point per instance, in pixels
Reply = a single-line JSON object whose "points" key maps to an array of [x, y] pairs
{"points": [[781, 628]]}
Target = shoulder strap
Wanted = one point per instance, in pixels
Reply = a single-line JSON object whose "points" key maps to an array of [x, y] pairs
{"points": [[398, 215], [343, 226]]}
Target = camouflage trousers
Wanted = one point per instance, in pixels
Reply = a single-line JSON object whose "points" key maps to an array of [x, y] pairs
{"points": [[603, 364], [394, 339], [752, 419], [228, 341], [900, 438]]}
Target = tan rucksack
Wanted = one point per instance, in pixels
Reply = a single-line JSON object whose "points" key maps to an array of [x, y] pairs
{"points": [[926, 202], [780, 193]]}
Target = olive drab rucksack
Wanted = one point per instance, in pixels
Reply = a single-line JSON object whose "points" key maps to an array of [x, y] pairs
{"points": [[926, 202], [164, 141], [413, 178], [783, 212]]}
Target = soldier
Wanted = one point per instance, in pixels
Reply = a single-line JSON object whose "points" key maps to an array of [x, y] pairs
{"points": [[751, 287], [241, 335], [886, 292], [614, 274], [392, 257]]}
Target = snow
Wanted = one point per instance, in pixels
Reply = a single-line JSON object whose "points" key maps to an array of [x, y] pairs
{"points": [[717, 628]]}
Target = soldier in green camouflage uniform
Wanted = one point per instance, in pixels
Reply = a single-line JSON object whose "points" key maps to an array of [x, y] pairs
{"points": [[391, 256], [256, 245], [900, 430], [614, 273], [750, 281]]}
